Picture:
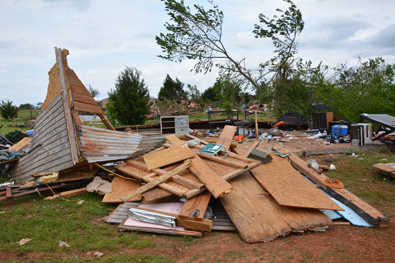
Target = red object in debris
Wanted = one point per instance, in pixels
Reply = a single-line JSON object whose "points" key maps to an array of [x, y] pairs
{"points": [[281, 123], [239, 138]]}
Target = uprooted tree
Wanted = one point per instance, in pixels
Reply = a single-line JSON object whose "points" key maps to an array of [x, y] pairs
{"points": [[199, 37], [128, 102]]}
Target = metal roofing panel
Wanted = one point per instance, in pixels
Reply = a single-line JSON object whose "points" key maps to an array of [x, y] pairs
{"points": [[100, 145]]}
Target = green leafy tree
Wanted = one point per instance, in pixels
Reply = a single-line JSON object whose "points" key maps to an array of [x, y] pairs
{"points": [[209, 95], [198, 36], [172, 90], [7, 110], [128, 103], [367, 88]]}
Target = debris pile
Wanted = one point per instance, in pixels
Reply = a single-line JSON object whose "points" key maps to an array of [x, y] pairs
{"points": [[176, 185]]}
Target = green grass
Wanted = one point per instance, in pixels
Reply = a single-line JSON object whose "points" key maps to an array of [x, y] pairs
{"points": [[358, 176]]}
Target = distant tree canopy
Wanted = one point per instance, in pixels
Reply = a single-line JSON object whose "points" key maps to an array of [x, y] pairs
{"points": [[94, 92], [172, 90], [128, 102], [26, 106], [7, 110]]}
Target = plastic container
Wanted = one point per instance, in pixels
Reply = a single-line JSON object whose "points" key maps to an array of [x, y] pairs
{"points": [[336, 130], [343, 130]]}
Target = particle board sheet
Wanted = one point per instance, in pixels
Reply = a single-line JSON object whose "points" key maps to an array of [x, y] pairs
{"points": [[226, 136], [259, 218], [52, 149], [365, 210], [99, 144], [167, 156], [290, 188], [121, 187]]}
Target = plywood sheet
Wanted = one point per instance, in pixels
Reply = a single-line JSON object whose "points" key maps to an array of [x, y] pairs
{"points": [[259, 218], [168, 156], [226, 136], [121, 187], [365, 210], [290, 188]]}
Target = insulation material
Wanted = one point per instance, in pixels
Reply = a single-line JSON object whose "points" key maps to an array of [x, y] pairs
{"points": [[99, 186]]}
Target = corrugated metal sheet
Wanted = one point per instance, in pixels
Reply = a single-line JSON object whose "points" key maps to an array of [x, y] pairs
{"points": [[99, 144]]}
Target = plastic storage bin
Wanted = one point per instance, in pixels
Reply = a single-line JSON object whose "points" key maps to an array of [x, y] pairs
{"points": [[336, 130], [343, 130]]}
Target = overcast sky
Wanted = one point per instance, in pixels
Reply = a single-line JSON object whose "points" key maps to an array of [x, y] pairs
{"points": [[105, 36]]}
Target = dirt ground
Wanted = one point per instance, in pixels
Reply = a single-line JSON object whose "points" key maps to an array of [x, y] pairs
{"points": [[337, 244]]}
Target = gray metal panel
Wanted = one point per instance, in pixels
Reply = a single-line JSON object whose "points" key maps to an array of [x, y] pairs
{"points": [[99, 145]]}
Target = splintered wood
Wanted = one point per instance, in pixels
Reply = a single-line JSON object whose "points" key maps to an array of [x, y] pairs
{"points": [[214, 183], [154, 182]]}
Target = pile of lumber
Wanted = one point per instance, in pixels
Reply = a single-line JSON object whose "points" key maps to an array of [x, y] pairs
{"points": [[263, 200]]}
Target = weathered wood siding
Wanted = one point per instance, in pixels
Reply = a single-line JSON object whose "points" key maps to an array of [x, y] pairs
{"points": [[54, 153]]}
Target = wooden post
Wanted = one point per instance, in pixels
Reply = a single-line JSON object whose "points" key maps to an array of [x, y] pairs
{"points": [[256, 124]]}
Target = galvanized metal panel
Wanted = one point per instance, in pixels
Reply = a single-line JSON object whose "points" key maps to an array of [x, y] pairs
{"points": [[99, 145]]}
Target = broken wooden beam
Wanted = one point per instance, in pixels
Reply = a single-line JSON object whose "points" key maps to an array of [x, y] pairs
{"points": [[157, 181]]}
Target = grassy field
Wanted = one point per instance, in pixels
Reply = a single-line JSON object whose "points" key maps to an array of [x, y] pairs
{"points": [[82, 226]]}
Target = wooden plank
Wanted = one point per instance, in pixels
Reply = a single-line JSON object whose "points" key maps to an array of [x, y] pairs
{"points": [[106, 122], [222, 160], [78, 106], [135, 172], [84, 99], [226, 136], [259, 218], [175, 232], [203, 225], [363, 209], [198, 203], [156, 194], [22, 143], [256, 125], [290, 188], [76, 117], [176, 178], [215, 184], [168, 156], [121, 187], [156, 181], [67, 194]]}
